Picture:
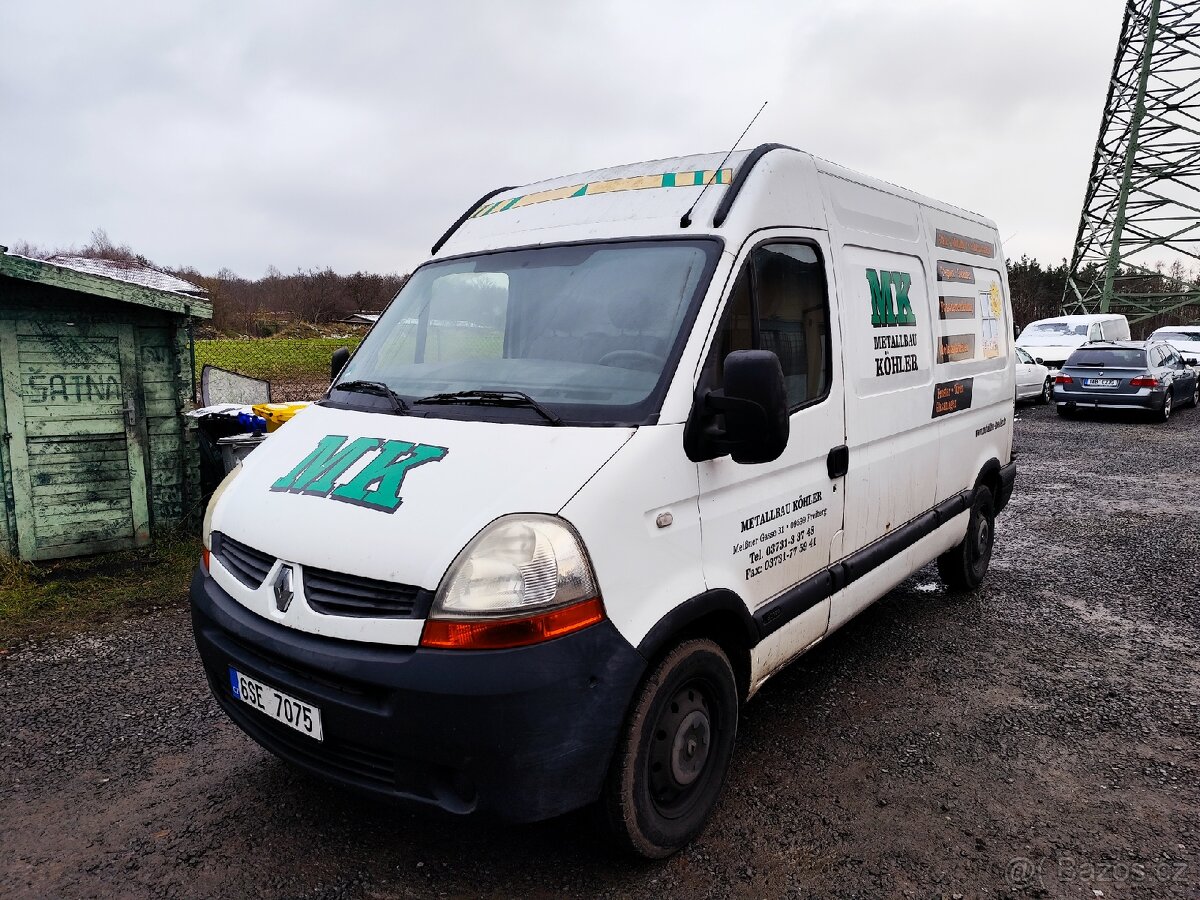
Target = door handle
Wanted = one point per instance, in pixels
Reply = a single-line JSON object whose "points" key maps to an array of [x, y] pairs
{"points": [[838, 461], [130, 410]]}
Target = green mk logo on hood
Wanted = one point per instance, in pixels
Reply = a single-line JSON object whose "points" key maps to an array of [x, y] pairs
{"points": [[377, 484]]}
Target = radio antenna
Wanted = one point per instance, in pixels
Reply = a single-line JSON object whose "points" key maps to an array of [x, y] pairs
{"points": [[686, 220]]}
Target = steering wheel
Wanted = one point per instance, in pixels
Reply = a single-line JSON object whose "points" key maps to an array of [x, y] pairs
{"points": [[650, 362]]}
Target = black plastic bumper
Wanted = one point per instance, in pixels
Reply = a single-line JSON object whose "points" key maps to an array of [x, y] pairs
{"points": [[521, 734]]}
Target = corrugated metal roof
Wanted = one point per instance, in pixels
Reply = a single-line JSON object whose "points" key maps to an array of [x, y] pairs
{"points": [[133, 272], [105, 284]]}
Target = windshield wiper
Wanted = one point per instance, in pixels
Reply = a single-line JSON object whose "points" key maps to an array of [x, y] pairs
{"points": [[377, 388], [493, 398]]}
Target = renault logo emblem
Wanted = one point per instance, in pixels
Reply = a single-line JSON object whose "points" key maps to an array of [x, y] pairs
{"points": [[283, 589]]}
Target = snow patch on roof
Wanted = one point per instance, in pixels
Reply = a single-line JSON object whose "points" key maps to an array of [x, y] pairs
{"points": [[132, 272]]}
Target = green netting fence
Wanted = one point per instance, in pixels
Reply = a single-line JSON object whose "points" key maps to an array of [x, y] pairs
{"points": [[297, 368]]}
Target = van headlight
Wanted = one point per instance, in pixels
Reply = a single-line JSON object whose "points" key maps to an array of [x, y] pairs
{"points": [[206, 526], [522, 580]]}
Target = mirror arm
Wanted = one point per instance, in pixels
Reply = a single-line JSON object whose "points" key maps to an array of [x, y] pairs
{"points": [[717, 402]]}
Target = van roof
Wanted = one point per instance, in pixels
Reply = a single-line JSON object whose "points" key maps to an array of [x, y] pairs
{"points": [[1081, 319], [653, 193]]}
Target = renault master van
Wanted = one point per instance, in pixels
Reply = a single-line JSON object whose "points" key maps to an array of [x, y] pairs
{"points": [[628, 443]]}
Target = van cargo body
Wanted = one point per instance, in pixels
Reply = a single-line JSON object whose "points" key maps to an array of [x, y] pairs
{"points": [[627, 444]]}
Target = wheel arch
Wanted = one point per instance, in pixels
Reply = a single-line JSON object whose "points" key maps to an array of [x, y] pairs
{"points": [[989, 477], [718, 615]]}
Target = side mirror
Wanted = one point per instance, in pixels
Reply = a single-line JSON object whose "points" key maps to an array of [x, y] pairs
{"points": [[753, 402], [1039, 360], [341, 356]]}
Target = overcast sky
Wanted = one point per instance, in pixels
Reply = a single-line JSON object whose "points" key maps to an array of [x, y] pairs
{"points": [[299, 134]]}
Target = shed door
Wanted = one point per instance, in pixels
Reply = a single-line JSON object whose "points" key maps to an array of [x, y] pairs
{"points": [[77, 438]]}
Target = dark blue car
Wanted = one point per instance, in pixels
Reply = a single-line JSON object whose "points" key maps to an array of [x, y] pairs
{"points": [[1149, 375]]}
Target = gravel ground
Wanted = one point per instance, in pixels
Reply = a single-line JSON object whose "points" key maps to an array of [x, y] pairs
{"points": [[1037, 739]]}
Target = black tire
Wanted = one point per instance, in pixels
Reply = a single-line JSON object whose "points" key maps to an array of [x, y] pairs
{"points": [[673, 753], [1196, 394], [964, 566], [1164, 414], [1047, 392]]}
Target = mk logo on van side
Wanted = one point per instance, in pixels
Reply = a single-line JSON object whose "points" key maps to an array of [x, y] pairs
{"points": [[375, 486], [890, 310]]}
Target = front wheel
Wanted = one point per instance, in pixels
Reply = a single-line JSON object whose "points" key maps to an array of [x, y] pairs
{"points": [[963, 567], [673, 753]]}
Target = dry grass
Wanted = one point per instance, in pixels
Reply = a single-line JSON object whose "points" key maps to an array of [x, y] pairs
{"points": [[73, 595]]}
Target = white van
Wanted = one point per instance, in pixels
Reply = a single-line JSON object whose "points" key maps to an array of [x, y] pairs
{"points": [[618, 452], [1051, 341]]}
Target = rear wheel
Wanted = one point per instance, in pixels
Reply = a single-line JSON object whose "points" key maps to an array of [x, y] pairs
{"points": [[1165, 413], [673, 753], [1196, 394], [964, 566], [1047, 391]]}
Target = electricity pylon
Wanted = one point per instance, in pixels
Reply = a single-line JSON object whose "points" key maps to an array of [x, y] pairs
{"points": [[1142, 207]]}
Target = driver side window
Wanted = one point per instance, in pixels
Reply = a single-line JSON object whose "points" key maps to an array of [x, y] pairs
{"points": [[780, 303]]}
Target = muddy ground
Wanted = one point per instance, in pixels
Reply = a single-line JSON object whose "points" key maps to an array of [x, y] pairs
{"points": [[1037, 739]]}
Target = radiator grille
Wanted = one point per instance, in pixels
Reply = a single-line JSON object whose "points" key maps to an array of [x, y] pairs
{"points": [[336, 594], [247, 565]]}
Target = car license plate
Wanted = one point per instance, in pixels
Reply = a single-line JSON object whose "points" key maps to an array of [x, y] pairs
{"points": [[1101, 382], [279, 706]]}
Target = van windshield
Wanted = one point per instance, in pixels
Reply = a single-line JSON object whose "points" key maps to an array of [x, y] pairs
{"points": [[590, 332]]}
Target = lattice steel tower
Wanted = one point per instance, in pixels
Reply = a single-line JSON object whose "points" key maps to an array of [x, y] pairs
{"points": [[1142, 206]]}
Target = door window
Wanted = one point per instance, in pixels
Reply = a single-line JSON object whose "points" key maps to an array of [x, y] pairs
{"points": [[1094, 333], [780, 303]]}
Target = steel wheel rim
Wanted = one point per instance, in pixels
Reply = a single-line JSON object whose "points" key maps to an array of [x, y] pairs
{"points": [[681, 749], [982, 533]]}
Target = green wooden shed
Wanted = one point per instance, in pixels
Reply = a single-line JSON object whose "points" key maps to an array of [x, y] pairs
{"points": [[96, 373]]}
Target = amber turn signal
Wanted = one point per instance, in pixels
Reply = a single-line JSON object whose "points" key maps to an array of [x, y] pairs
{"points": [[496, 634], [205, 559]]}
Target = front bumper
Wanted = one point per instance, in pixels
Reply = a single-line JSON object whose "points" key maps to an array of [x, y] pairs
{"points": [[522, 734]]}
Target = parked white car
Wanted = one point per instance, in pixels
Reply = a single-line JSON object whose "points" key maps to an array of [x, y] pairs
{"points": [[1184, 338], [1033, 379]]}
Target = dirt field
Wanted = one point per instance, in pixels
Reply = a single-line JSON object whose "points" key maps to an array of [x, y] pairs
{"points": [[1039, 739]]}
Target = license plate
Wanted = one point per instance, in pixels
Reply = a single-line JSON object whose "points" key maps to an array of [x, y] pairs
{"points": [[281, 707], [1101, 382]]}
